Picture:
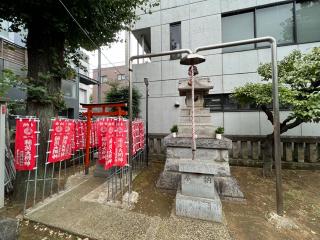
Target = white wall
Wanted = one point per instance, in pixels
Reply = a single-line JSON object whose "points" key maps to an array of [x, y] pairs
{"points": [[201, 25]]}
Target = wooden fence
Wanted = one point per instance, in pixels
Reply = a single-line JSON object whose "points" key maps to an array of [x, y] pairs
{"points": [[297, 152]]}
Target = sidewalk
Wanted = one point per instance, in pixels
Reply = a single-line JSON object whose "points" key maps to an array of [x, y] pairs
{"points": [[71, 213]]}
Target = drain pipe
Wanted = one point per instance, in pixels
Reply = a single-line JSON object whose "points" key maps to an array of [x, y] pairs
{"points": [[275, 97], [150, 55]]}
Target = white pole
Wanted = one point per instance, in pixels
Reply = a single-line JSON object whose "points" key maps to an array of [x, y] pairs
{"points": [[2, 152]]}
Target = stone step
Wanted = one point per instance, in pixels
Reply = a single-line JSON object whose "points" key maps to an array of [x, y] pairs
{"points": [[187, 111], [198, 119], [202, 154]]}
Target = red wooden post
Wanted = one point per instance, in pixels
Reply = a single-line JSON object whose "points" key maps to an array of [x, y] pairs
{"points": [[87, 159]]}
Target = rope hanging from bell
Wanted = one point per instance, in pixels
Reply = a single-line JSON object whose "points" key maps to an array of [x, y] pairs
{"points": [[192, 72]]}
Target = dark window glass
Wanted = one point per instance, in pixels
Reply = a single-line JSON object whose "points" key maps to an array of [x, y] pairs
{"points": [[308, 21], [238, 27], [277, 22], [175, 39]]}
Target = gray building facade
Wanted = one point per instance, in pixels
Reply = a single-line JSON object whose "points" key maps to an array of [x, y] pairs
{"points": [[178, 24]]}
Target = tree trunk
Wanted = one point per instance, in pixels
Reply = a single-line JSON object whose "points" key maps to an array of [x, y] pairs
{"points": [[267, 153], [45, 52]]}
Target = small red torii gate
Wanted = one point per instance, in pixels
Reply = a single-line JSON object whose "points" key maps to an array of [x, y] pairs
{"points": [[91, 113]]}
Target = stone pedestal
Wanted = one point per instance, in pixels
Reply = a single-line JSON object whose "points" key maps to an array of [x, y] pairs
{"points": [[197, 197], [200, 183]]}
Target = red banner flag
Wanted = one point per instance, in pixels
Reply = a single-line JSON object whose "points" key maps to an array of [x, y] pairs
{"points": [[110, 145], [102, 128], [26, 144], [120, 158], [60, 140]]}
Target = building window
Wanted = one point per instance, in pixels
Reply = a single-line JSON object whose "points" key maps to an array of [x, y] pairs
{"points": [[68, 88], [290, 23], [83, 96], [277, 22], [238, 27], [104, 79], [226, 103], [175, 39], [121, 77], [308, 21]]}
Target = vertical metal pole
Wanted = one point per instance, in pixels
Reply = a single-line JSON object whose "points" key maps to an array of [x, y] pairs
{"points": [[87, 159], [46, 165], [147, 121], [99, 76], [26, 194], [59, 176], [2, 152], [52, 175], [276, 125], [130, 125], [36, 170]]}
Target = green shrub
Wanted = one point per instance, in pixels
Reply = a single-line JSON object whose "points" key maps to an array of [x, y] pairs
{"points": [[220, 130], [174, 129]]}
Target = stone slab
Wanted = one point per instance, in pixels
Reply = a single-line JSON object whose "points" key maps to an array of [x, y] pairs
{"points": [[8, 229], [228, 188], [199, 208], [206, 143], [168, 180], [198, 185], [204, 167], [218, 155]]}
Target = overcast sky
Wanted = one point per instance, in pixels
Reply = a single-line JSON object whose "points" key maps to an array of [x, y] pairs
{"points": [[115, 53]]}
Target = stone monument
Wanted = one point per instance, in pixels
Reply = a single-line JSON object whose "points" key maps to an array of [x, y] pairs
{"points": [[201, 182]]}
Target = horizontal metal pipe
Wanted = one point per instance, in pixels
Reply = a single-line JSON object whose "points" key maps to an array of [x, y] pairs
{"points": [[236, 43], [150, 55]]}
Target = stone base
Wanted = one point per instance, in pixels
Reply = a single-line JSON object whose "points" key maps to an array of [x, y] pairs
{"points": [[199, 208], [227, 187], [169, 180], [8, 229]]}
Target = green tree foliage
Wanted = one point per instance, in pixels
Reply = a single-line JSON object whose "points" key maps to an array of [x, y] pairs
{"points": [[7, 81], [53, 38], [299, 88], [121, 94]]}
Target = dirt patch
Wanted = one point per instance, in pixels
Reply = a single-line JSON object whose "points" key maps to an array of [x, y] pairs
{"points": [[301, 204], [152, 201]]}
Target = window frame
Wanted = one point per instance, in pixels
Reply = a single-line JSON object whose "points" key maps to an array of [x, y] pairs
{"points": [[175, 56], [254, 9]]}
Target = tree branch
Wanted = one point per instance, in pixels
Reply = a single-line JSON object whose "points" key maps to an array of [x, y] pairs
{"points": [[268, 113], [285, 128], [284, 123]]}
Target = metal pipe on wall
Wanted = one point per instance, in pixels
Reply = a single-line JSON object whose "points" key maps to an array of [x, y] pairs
{"points": [[275, 97], [150, 55]]}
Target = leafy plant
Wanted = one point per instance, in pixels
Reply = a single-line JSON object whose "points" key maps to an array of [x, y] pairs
{"points": [[119, 93], [174, 129], [299, 88], [220, 130], [7, 80]]}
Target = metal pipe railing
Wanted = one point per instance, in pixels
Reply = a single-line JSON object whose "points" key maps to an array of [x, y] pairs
{"points": [[275, 97]]}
